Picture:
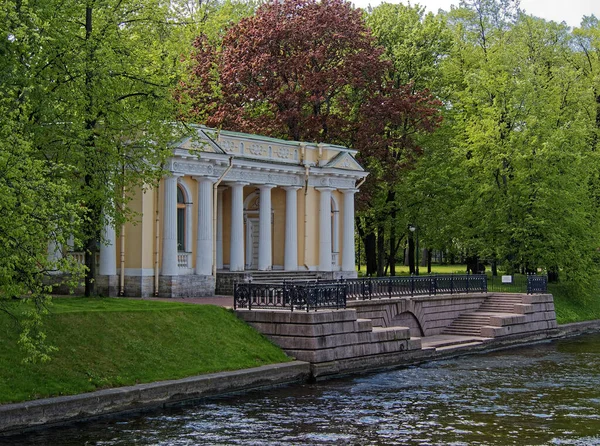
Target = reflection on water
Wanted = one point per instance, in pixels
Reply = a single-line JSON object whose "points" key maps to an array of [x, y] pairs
{"points": [[545, 394]]}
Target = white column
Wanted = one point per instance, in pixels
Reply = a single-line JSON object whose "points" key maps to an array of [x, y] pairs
{"points": [[54, 253], [220, 228], [189, 222], [290, 259], [169, 239], [204, 233], [265, 246], [236, 250], [348, 258], [108, 252], [325, 229]]}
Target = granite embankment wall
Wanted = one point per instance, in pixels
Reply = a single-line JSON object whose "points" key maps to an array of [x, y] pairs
{"points": [[338, 341], [424, 315], [432, 315], [19, 417], [387, 332], [335, 341]]}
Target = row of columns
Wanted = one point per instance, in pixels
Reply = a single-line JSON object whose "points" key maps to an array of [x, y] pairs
{"points": [[204, 240]]}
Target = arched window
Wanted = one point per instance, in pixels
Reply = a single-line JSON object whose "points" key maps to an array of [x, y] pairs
{"points": [[180, 219]]}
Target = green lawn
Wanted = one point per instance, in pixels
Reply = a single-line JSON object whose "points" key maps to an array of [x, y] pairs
{"points": [[115, 342], [570, 308], [435, 269]]}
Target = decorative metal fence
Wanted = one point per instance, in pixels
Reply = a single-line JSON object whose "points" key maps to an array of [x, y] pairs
{"points": [[312, 295], [537, 284], [290, 295], [518, 283], [398, 286]]}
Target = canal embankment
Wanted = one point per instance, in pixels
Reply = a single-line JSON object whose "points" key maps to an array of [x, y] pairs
{"points": [[47, 412], [132, 398]]}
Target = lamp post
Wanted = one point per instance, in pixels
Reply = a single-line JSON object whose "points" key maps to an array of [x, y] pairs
{"points": [[415, 231]]}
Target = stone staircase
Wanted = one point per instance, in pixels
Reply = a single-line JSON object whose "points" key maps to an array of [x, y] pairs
{"points": [[502, 303], [280, 276], [468, 324], [497, 310]]}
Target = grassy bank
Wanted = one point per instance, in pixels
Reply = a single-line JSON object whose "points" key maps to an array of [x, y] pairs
{"points": [[116, 342], [573, 308]]}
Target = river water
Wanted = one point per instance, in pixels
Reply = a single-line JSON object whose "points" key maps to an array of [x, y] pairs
{"points": [[543, 394]]}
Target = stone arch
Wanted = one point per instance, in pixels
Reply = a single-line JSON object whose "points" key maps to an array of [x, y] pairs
{"points": [[410, 320]]}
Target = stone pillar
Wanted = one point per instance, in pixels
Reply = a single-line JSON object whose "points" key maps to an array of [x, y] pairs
{"points": [[204, 233], [236, 252], [169, 239], [220, 228], [325, 229], [265, 247], [348, 257], [108, 252], [290, 259], [189, 222]]}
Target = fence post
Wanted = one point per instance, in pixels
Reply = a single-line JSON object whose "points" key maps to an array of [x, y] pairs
{"points": [[452, 283], [468, 276], [412, 285], [235, 295], [390, 288]]}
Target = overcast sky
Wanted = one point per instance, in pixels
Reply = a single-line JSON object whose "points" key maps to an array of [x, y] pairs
{"points": [[569, 11]]}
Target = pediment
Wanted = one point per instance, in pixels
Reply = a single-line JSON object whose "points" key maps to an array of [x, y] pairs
{"points": [[344, 161]]}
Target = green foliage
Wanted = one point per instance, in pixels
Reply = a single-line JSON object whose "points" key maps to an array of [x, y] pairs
{"points": [[125, 342], [521, 143]]}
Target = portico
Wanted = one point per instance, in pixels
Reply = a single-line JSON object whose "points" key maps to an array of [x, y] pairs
{"points": [[239, 203]]}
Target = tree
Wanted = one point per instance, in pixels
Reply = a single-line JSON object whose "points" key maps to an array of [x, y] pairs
{"points": [[413, 43], [37, 206], [291, 71], [521, 137], [101, 102], [305, 70]]}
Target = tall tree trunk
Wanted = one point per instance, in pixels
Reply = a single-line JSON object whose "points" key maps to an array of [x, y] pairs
{"points": [[428, 261], [393, 248], [90, 264], [369, 242], [380, 250], [371, 253], [411, 253], [93, 212]]}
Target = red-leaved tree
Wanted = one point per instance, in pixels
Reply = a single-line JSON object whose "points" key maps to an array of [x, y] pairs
{"points": [[309, 70]]}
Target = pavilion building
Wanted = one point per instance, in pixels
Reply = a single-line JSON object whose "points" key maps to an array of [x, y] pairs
{"points": [[234, 205]]}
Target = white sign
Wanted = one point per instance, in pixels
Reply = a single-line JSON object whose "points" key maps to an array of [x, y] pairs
{"points": [[507, 279]]}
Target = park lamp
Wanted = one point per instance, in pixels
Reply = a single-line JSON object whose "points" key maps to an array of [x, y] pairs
{"points": [[413, 228]]}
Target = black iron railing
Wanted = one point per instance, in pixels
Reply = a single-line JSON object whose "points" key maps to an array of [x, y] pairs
{"points": [[537, 284], [291, 295], [518, 283], [398, 286], [312, 295]]}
